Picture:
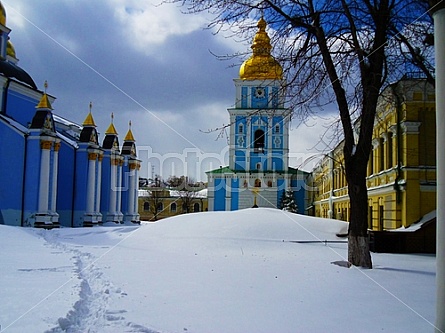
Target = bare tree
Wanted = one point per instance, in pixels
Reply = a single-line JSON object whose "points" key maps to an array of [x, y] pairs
{"points": [[342, 51], [156, 202]]}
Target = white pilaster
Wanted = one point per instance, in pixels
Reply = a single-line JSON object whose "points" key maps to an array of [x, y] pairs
{"points": [[99, 184], [113, 189], [119, 190], [91, 183], [54, 177], [44, 176]]}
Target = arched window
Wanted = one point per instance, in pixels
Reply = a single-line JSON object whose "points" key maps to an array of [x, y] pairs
{"points": [[196, 207], [257, 183], [277, 129], [146, 206], [173, 207], [258, 144]]}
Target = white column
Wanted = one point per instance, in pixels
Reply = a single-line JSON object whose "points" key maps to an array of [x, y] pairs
{"points": [[270, 130], [99, 183], [439, 45], [44, 176], [119, 188], [248, 141], [113, 187], [54, 178], [91, 182], [131, 188], [136, 188]]}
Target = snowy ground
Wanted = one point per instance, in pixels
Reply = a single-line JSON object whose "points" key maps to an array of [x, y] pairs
{"points": [[207, 272]]}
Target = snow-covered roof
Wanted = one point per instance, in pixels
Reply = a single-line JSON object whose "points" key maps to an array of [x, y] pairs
{"points": [[418, 225]]}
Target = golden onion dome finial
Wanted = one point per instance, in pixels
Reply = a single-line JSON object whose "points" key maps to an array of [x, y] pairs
{"points": [[129, 136], [44, 101], [2, 15], [261, 65], [111, 129], [89, 120]]}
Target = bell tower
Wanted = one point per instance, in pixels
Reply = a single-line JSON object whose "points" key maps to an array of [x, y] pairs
{"points": [[259, 133]]}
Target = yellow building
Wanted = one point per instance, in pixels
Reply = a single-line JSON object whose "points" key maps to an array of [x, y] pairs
{"points": [[401, 169], [158, 203]]}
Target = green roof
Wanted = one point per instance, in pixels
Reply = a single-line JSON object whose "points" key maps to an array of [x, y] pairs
{"points": [[226, 169]]}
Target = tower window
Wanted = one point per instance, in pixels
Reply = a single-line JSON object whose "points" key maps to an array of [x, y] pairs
{"points": [[277, 129], [240, 129], [258, 143]]}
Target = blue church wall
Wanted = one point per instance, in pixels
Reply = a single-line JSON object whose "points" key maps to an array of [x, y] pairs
{"points": [[81, 183], [32, 176], [244, 93], [235, 194], [277, 161], [280, 185], [275, 95], [11, 182], [106, 184], [259, 102], [125, 185], [220, 195], [258, 159], [297, 186], [240, 160], [65, 184], [20, 107]]}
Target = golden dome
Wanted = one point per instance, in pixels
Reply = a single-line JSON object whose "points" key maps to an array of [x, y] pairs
{"points": [[261, 65], [2, 15], [10, 50]]}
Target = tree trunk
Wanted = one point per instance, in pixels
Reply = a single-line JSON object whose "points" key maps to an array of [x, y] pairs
{"points": [[358, 241]]}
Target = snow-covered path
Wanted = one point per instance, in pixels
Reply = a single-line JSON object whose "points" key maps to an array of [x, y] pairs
{"points": [[91, 312]]}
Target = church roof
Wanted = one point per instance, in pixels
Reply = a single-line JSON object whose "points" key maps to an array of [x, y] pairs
{"points": [[129, 136], [111, 130], [11, 70], [44, 103], [89, 121], [261, 65]]}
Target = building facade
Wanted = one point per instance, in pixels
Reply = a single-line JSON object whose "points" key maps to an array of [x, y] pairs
{"points": [[258, 172], [401, 177], [157, 203], [56, 172]]}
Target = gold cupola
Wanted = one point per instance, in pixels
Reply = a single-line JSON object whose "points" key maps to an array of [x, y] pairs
{"points": [[261, 65], [10, 50], [2, 15]]}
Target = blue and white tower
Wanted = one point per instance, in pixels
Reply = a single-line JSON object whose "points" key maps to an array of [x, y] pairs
{"points": [[258, 172]]}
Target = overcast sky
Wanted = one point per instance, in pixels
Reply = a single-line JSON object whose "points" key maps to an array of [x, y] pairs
{"points": [[148, 64]]}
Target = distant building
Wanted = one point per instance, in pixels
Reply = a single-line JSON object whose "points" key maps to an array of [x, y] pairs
{"points": [[156, 203], [401, 177], [55, 172], [258, 173]]}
